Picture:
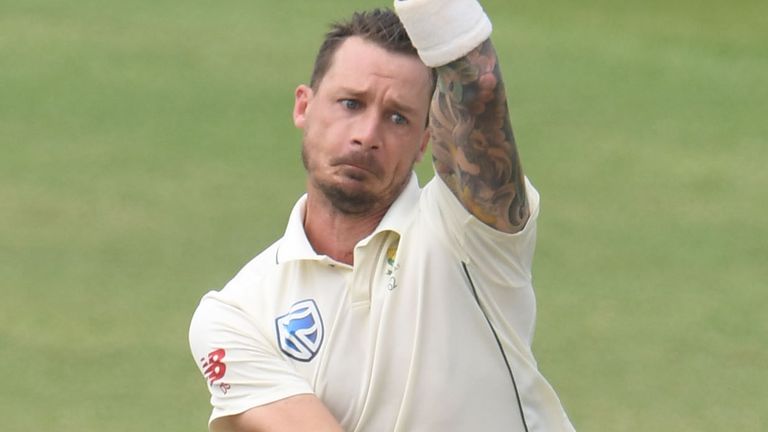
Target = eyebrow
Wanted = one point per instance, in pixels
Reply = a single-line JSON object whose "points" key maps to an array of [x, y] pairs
{"points": [[395, 105]]}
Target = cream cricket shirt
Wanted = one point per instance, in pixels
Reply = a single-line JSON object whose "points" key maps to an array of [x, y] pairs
{"points": [[429, 331]]}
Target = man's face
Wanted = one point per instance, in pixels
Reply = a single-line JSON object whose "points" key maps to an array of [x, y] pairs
{"points": [[364, 126]]}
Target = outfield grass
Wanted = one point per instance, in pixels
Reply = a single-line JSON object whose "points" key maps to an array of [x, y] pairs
{"points": [[147, 152]]}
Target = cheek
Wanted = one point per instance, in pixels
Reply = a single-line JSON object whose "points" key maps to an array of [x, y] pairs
{"points": [[310, 151], [406, 156], [319, 147], [323, 133]]}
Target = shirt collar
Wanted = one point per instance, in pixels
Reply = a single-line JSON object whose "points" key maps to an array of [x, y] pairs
{"points": [[402, 210], [295, 245]]}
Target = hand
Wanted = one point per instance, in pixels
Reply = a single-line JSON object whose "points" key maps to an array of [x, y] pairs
{"points": [[443, 30]]}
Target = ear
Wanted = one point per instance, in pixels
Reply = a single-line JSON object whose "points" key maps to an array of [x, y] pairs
{"points": [[302, 97], [423, 145]]}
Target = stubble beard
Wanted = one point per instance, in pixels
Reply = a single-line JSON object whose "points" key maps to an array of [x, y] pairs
{"points": [[357, 202]]}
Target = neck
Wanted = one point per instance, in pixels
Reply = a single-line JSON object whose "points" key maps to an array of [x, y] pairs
{"points": [[333, 233]]}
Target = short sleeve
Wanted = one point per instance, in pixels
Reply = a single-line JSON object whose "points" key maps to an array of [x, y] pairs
{"points": [[479, 243], [241, 368], [500, 264]]}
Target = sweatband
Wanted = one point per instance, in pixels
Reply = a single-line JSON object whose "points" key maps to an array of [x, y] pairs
{"points": [[443, 30]]}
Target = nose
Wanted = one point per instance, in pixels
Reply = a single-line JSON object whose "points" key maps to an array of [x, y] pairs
{"points": [[366, 131]]}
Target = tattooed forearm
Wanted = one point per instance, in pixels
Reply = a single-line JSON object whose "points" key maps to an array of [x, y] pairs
{"points": [[473, 147]]}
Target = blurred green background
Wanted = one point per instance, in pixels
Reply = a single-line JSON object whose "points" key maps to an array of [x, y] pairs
{"points": [[147, 152]]}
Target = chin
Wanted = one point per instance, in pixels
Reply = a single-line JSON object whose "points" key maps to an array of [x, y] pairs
{"points": [[353, 201]]}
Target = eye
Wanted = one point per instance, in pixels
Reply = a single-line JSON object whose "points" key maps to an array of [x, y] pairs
{"points": [[398, 118], [350, 104]]}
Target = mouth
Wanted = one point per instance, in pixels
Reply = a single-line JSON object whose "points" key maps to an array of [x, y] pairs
{"points": [[357, 166], [354, 172]]}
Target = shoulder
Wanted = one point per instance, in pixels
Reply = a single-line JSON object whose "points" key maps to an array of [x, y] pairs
{"points": [[231, 309], [445, 219], [259, 265], [236, 296], [254, 270], [440, 205]]}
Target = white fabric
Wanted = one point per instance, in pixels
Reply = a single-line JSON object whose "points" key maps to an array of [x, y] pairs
{"points": [[405, 346], [443, 30]]}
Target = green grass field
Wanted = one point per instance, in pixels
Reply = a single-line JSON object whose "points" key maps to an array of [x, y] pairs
{"points": [[147, 152]]}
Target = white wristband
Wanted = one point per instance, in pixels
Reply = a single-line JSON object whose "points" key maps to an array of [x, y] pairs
{"points": [[443, 30]]}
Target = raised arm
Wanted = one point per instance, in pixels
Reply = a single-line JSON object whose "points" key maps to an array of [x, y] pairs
{"points": [[473, 147], [472, 143]]}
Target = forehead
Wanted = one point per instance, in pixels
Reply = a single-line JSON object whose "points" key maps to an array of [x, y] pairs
{"points": [[362, 64]]}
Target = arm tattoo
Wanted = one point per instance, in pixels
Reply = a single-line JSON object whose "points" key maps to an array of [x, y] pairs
{"points": [[473, 148]]}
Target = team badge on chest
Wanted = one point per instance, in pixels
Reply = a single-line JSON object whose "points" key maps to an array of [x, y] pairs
{"points": [[300, 331]]}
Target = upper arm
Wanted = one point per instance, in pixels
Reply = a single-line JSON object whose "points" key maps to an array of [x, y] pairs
{"points": [[239, 362], [294, 414], [474, 149]]}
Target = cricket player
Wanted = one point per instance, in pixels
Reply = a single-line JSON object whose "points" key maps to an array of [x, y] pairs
{"points": [[385, 306]]}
